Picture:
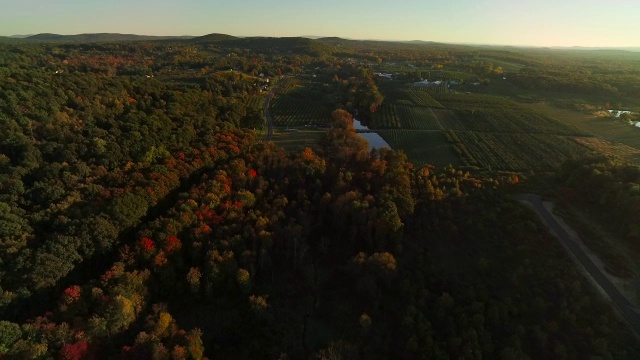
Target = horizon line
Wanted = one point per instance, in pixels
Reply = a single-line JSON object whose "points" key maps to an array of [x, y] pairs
{"points": [[315, 37]]}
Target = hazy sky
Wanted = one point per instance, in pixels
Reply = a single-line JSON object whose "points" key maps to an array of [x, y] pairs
{"points": [[509, 22]]}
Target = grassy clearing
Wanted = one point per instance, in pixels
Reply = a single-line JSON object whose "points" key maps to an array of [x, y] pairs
{"points": [[607, 128], [295, 141], [422, 147]]}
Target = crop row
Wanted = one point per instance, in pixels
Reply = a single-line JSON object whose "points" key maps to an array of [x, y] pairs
{"points": [[255, 102], [411, 96], [291, 111], [422, 147], [460, 101], [502, 120], [514, 152], [414, 117], [286, 84], [392, 116], [448, 120], [386, 117], [625, 152]]}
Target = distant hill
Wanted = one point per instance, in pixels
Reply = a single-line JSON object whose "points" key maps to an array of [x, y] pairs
{"points": [[7, 39], [100, 37], [334, 39], [213, 38], [297, 45]]}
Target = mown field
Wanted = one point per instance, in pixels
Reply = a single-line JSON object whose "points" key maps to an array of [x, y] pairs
{"points": [[605, 127]]}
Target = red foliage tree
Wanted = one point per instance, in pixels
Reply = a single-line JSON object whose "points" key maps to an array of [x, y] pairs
{"points": [[147, 244], [77, 351]]}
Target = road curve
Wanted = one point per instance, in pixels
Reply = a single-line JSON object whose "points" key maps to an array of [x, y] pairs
{"points": [[628, 312]]}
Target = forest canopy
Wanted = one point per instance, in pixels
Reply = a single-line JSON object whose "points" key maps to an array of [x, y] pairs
{"points": [[143, 215]]}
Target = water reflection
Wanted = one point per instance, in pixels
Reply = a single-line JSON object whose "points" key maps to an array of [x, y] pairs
{"points": [[358, 125], [375, 141]]}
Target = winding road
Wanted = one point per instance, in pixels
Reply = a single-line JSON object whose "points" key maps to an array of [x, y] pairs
{"points": [[627, 310]]}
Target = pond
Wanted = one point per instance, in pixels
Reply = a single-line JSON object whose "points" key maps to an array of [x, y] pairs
{"points": [[358, 125], [375, 141]]}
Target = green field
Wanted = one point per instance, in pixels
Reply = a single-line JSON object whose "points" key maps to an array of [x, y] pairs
{"points": [[422, 147]]}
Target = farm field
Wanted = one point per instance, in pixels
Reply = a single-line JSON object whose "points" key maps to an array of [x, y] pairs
{"points": [[297, 105], [457, 128], [474, 101], [295, 141], [256, 101], [515, 152], [401, 116], [400, 93], [604, 127], [508, 120], [482, 130], [422, 147], [625, 152]]}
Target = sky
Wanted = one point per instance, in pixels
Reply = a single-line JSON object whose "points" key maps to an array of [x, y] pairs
{"points": [[597, 23]]}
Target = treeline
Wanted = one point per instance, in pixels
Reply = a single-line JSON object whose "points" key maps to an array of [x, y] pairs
{"points": [[611, 189]]}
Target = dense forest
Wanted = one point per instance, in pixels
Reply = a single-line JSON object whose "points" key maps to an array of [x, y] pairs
{"points": [[142, 216]]}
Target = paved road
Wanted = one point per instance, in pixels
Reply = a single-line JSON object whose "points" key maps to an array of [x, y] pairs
{"points": [[626, 309], [267, 113]]}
